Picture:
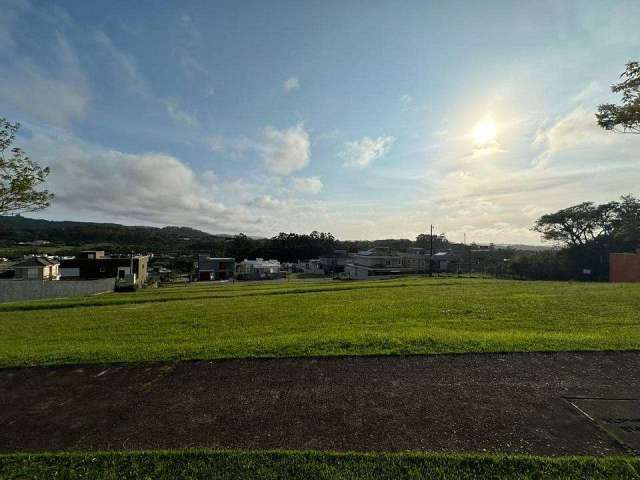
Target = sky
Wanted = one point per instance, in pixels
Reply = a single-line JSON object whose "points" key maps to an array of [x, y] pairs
{"points": [[366, 119]]}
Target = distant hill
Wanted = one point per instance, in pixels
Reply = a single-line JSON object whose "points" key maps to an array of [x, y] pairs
{"points": [[15, 229]]}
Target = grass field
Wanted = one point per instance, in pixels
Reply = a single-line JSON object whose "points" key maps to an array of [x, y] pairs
{"points": [[310, 465], [299, 318]]}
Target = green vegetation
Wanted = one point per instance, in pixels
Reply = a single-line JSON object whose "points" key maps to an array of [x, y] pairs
{"points": [[310, 465], [403, 316]]}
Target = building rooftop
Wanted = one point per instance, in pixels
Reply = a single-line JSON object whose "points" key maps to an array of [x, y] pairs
{"points": [[36, 262]]}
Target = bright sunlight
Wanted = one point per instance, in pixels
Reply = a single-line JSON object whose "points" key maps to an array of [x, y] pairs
{"points": [[485, 132]]}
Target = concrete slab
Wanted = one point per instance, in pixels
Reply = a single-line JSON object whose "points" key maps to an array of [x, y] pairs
{"points": [[619, 417]]}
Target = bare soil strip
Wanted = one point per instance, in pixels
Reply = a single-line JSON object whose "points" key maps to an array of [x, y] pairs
{"points": [[514, 403]]}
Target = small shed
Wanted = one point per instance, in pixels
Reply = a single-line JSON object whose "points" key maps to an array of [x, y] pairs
{"points": [[624, 267]]}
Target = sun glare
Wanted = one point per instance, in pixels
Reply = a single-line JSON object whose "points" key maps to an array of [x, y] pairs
{"points": [[485, 132]]}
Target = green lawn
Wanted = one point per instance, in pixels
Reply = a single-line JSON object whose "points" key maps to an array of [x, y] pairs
{"points": [[309, 465], [404, 316]]}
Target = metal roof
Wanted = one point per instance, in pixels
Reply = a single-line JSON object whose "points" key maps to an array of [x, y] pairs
{"points": [[35, 262]]}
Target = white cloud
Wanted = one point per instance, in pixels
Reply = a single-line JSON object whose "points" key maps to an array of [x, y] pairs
{"points": [[148, 187], [178, 114], [285, 151], [362, 153], [307, 184], [54, 97], [577, 132], [290, 84], [187, 45], [406, 101], [99, 184], [235, 146], [209, 178], [124, 65], [47, 99], [267, 202]]}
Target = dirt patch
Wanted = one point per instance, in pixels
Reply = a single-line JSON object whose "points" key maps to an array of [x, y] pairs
{"points": [[483, 403]]}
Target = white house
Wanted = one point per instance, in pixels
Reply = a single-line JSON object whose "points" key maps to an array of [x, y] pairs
{"points": [[257, 269]]}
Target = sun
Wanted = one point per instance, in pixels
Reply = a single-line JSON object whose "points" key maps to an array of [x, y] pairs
{"points": [[485, 132]]}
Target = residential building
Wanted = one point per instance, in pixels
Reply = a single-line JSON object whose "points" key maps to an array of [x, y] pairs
{"points": [[445, 261], [91, 254], [416, 260], [334, 262], [214, 268], [94, 264], [37, 268], [624, 267], [160, 274], [258, 269], [312, 266], [377, 262]]}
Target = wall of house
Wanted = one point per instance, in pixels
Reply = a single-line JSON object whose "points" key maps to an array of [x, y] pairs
{"points": [[89, 269], [19, 290], [390, 261], [141, 265], [29, 273], [624, 267], [355, 272]]}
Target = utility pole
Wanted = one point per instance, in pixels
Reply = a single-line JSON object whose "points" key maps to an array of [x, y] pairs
{"points": [[131, 264], [431, 251], [431, 242], [464, 251]]}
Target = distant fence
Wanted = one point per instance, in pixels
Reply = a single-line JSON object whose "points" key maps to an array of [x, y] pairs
{"points": [[17, 290]]}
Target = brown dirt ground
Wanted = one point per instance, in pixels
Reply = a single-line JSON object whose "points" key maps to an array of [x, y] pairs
{"points": [[482, 403]]}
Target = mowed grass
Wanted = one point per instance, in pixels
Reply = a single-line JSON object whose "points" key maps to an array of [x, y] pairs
{"points": [[402, 316], [310, 465]]}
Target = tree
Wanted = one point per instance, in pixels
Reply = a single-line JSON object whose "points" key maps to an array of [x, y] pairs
{"points": [[587, 223], [573, 226], [589, 232], [440, 242], [240, 247], [623, 118], [19, 176]]}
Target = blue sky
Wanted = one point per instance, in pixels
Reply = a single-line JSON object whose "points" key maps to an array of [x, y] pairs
{"points": [[366, 119]]}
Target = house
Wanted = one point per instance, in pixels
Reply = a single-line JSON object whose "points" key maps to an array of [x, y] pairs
{"points": [[313, 266], [258, 269], [160, 274], [37, 268], [94, 264], [624, 267], [213, 268], [445, 261], [334, 262], [417, 260], [91, 254], [377, 262]]}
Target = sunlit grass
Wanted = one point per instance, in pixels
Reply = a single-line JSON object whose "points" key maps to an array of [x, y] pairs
{"points": [[404, 316]]}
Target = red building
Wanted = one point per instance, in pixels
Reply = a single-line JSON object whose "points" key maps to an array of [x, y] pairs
{"points": [[624, 267]]}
